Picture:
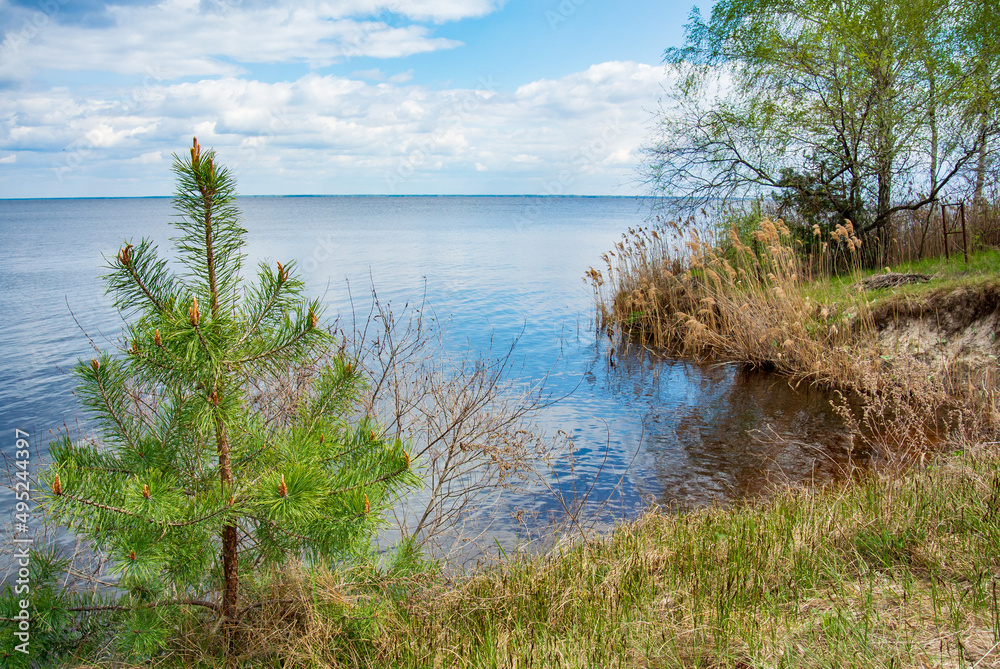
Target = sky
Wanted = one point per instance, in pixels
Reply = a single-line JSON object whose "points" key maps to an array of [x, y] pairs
{"points": [[526, 97]]}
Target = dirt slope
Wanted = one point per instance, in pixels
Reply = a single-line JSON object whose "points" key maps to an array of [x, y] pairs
{"points": [[951, 329]]}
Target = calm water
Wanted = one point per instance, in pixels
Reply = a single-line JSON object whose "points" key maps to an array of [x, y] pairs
{"points": [[499, 268]]}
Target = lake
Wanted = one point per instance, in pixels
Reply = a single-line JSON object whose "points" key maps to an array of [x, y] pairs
{"points": [[496, 269]]}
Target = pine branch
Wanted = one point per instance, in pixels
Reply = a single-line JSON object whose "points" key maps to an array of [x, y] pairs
{"points": [[137, 276], [153, 521], [204, 343], [106, 399], [130, 269], [278, 285], [274, 351], [380, 479]]}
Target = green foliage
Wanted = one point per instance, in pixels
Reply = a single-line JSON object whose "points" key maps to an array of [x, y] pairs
{"points": [[190, 485], [735, 226], [49, 629], [853, 109]]}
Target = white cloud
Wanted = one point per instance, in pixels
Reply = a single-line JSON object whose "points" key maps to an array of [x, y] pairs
{"points": [[9, 160], [178, 38], [402, 77], [149, 157], [600, 86], [327, 134]]}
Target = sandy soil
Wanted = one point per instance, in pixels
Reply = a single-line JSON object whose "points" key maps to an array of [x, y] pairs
{"points": [[952, 330]]}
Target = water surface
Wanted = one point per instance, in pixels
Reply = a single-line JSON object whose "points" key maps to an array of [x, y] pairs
{"points": [[498, 269]]}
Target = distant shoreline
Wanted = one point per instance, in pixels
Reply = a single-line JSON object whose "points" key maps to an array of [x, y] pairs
{"points": [[247, 197]]}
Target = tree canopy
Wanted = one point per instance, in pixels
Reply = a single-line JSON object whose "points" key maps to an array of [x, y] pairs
{"points": [[839, 109]]}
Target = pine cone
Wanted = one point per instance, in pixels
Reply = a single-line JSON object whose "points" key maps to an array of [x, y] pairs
{"points": [[95, 364], [282, 488], [368, 507], [125, 255], [193, 312], [156, 338], [145, 491], [57, 486]]}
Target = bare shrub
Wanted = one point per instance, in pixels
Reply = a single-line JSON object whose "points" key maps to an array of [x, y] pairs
{"points": [[467, 421]]}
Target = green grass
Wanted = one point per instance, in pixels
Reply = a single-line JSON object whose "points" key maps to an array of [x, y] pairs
{"points": [[886, 572], [894, 570], [842, 292]]}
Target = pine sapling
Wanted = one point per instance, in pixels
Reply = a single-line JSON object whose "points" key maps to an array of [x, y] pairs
{"points": [[189, 487]]}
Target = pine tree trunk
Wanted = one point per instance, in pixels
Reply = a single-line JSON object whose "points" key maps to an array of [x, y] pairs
{"points": [[230, 548], [230, 537], [210, 255], [229, 568]]}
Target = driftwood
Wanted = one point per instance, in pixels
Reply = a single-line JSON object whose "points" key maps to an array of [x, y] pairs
{"points": [[891, 279]]}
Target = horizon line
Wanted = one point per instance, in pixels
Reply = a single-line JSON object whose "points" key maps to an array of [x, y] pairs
{"points": [[305, 195]]}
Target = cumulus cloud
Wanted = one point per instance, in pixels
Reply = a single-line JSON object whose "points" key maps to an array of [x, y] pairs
{"points": [[193, 68], [329, 134], [185, 38]]}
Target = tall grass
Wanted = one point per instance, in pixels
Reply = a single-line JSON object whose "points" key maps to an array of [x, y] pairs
{"points": [[748, 297], [733, 299], [883, 573]]}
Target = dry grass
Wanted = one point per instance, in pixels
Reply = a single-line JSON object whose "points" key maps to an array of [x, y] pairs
{"points": [[893, 570], [731, 301], [757, 302]]}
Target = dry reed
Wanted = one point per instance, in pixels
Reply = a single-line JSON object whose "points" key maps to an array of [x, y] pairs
{"points": [[743, 299], [732, 301]]}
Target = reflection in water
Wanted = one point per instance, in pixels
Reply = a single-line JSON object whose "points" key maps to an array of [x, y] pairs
{"points": [[725, 432], [650, 429]]}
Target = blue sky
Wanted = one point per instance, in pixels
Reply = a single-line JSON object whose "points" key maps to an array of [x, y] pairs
{"points": [[335, 97]]}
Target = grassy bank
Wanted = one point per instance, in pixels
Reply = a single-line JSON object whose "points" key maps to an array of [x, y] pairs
{"points": [[759, 299], [893, 570], [898, 567], [946, 275]]}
